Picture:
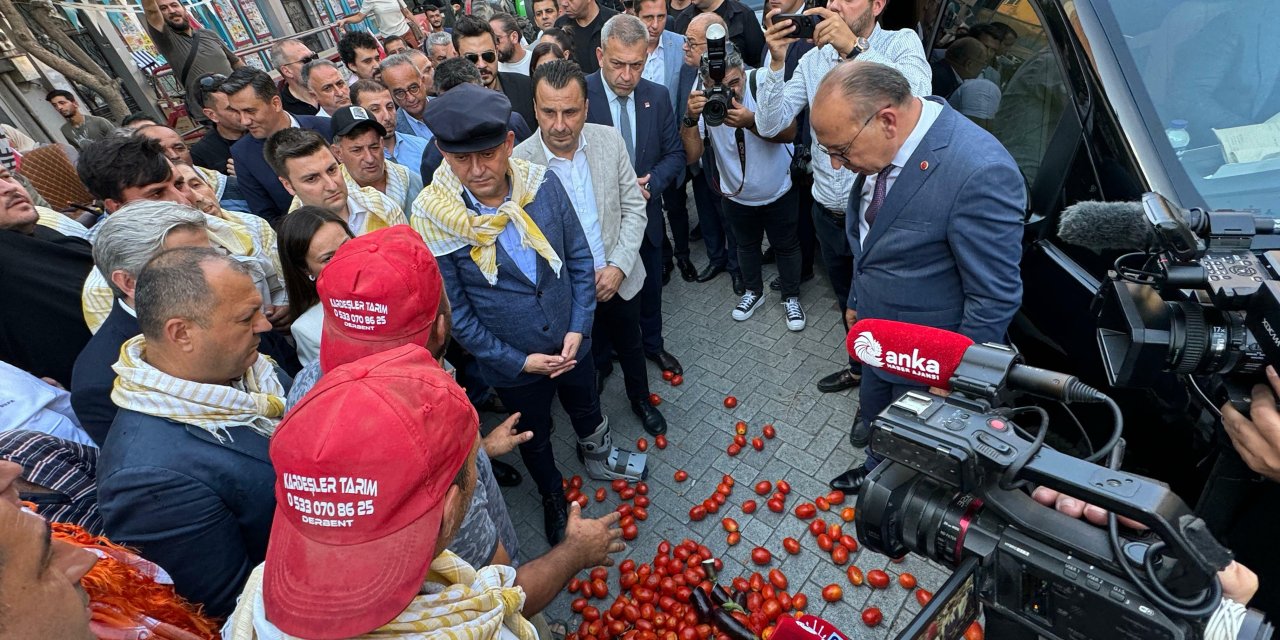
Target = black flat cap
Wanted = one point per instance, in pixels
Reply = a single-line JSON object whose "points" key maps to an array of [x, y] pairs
{"points": [[468, 118]]}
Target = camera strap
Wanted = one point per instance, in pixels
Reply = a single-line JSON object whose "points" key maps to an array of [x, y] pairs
{"points": [[740, 138]]}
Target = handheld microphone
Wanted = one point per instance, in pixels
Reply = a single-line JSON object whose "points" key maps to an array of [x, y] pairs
{"points": [[1106, 226], [806, 627], [932, 356]]}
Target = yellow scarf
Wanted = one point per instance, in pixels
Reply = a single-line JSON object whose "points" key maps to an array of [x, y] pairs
{"points": [[446, 224], [255, 401], [466, 604], [381, 211]]}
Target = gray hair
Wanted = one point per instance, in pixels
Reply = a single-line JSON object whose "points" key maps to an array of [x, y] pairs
{"points": [[625, 28], [132, 236], [401, 60], [310, 67], [870, 85], [732, 60], [438, 39], [482, 11], [174, 285], [277, 52], [423, 59]]}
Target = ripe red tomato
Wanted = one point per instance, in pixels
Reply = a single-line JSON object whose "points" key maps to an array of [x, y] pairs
{"points": [[817, 527], [618, 485], [697, 513], [770, 432], [734, 449], [740, 440], [578, 605], [710, 505], [642, 488], [599, 573], [729, 524], [836, 497], [825, 543], [877, 579], [600, 493], [791, 545], [724, 489], [763, 487], [855, 575], [847, 514], [590, 614], [923, 596], [730, 402], [655, 399], [872, 617], [642, 445], [728, 480], [822, 503], [749, 506], [757, 444], [599, 589], [800, 602], [582, 501], [776, 506], [756, 581], [575, 482], [668, 374], [784, 487], [907, 581], [974, 632], [832, 592], [761, 555], [804, 511], [627, 494], [734, 538], [839, 555], [661, 441], [718, 498], [630, 531], [777, 579], [681, 475], [772, 608], [740, 428], [677, 380], [849, 543], [640, 513]]}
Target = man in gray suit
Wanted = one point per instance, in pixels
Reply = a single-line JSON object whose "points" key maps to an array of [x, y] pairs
{"points": [[934, 218], [591, 162]]}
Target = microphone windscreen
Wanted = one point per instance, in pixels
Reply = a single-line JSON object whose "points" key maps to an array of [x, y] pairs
{"points": [[806, 627], [1104, 226], [923, 354]]}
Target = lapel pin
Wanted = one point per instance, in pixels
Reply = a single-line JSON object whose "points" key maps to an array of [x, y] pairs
{"points": [[924, 165], [646, 105]]}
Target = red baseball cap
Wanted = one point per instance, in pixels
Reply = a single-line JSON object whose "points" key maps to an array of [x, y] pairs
{"points": [[379, 291], [363, 465]]}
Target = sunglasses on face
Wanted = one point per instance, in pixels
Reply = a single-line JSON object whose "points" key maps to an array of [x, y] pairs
{"points": [[489, 56], [305, 59]]}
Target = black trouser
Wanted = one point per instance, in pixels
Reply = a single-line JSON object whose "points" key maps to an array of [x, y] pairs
{"points": [[838, 258], [722, 248], [750, 224], [577, 391], [617, 330], [676, 202], [803, 182]]}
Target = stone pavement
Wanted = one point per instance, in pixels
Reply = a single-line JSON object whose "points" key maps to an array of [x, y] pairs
{"points": [[772, 372]]}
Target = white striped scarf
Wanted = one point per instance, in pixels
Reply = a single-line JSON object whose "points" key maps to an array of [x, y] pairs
{"points": [[383, 212]]}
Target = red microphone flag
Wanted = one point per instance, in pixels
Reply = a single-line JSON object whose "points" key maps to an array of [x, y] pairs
{"points": [[921, 354]]}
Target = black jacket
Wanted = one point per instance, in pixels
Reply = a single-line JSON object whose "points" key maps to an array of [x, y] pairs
{"points": [[945, 80], [519, 90], [744, 30], [42, 327], [92, 378]]}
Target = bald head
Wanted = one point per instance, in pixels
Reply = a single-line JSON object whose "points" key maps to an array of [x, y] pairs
{"points": [[698, 25], [862, 113], [696, 37], [968, 56], [174, 147]]}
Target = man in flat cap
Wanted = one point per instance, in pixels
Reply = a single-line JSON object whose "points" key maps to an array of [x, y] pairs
{"points": [[520, 275]]}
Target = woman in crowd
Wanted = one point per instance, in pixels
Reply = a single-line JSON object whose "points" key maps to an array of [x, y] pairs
{"points": [[546, 52], [561, 36], [308, 238]]}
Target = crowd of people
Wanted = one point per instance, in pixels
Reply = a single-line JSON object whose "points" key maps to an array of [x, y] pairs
{"points": [[261, 365]]}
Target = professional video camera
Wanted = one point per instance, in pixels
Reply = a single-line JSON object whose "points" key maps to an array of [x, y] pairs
{"points": [[1201, 304], [951, 489], [719, 97]]}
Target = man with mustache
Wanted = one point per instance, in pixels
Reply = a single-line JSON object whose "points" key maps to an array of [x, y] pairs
{"points": [[190, 53]]}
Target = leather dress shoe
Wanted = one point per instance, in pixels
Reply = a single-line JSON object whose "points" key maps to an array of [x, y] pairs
{"points": [[839, 381], [600, 378], [649, 416], [505, 474], [666, 273], [710, 273], [687, 270], [860, 432], [850, 481], [739, 284], [555, 517], [666, 361]]}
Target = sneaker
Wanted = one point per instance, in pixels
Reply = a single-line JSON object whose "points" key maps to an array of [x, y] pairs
{"points": [[747, 305], [795, 314]]}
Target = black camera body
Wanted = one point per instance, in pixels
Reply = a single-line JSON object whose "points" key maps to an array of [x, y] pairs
{"points": [[805, 24], [719, 97], [946, 491]]}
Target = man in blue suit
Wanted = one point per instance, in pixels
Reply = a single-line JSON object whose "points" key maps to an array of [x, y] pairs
{"points": [[521, 279], [617, 96], [934, 219], [255, 99]]}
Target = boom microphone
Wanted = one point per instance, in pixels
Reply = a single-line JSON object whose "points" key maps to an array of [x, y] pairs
{"points": [[931, 356], [1104, 226]]}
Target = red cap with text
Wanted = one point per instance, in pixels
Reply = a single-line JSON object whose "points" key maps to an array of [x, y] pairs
{"points": [[363, 465], [379, 291]]}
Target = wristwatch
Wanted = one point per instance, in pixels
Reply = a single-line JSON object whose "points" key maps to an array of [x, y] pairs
{"points": [[689, 122]]}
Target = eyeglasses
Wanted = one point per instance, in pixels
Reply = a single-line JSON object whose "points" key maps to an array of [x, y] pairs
{"points": [[839, 153], [212, 80], [305, 59], [689, 43], [401, 94], [489, 57]]}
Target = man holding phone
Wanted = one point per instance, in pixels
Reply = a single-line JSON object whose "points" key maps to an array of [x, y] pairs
{"points": [[837, 31]]}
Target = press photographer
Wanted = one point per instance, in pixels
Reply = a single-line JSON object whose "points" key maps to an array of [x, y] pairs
{"points": [[751, 173]]}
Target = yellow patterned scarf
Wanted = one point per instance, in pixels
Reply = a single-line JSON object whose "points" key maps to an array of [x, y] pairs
{"points": [[380, 211], [466, 604], [444, 221], [255, 401]]}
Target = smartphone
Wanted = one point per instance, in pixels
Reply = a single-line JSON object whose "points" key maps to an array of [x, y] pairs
{"points": [[953, 607], [804, 24]]}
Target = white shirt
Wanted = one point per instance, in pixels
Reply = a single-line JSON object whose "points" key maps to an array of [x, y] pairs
{"points": [[929, 113], [306, 332], [27, 402], [387, 15], [575, 175], [357, 216], [521, 67], [655, 67], [781, 100], [768, 163], [976, 98], [614, 110]]}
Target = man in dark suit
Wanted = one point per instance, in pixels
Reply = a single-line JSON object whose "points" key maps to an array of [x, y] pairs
{"points": [[474, 39], [934, 219], [617, 96], [521, 279], [184, 475], [254, 98], [127, 240]]}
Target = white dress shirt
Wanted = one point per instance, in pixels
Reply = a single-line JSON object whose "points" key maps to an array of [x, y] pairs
{"points": [[929, 113], [614, 110], [575, 175], [781, 100], [655, 67]]}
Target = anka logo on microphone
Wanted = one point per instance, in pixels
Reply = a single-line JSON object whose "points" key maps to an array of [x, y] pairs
{"points": [[868, 350]]}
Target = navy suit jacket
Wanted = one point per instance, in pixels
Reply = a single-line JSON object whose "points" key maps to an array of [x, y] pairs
{"points": [[502, 323], [92, 378], [259, 184], [658, 150], [945, 246], [432, 158], [198, 507]]}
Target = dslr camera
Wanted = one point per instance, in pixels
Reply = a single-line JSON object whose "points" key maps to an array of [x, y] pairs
{"points": [[951, 489], [719, 97]]}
